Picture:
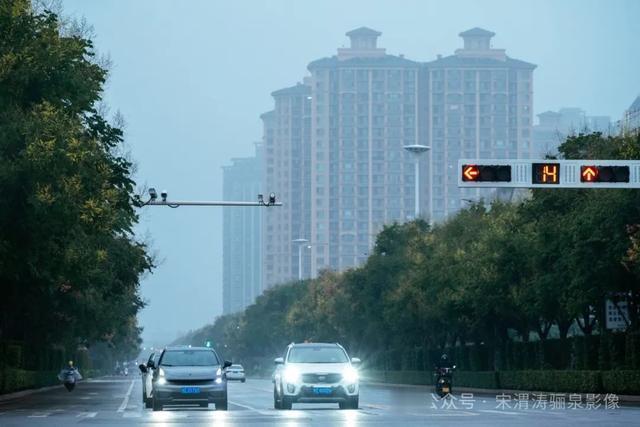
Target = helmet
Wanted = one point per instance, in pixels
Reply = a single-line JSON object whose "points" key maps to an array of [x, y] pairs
{"points": [[444, 357], [71, 363]]}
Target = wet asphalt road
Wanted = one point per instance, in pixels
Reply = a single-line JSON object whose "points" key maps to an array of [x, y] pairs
{"points": [[117, 401]]}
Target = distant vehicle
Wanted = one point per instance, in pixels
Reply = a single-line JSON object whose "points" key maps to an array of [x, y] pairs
{"points": [[147, 379], [316, 373], [236, 372], [193, 375]]}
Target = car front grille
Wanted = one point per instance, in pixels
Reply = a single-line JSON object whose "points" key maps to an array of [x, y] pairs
{"points": [[189, 382], [321, 378]]}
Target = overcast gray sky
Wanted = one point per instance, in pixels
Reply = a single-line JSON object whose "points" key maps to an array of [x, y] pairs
{"points": [[192, 77]]}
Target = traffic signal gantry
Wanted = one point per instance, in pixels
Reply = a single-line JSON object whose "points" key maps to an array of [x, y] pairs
{"points": [[520, 173]]}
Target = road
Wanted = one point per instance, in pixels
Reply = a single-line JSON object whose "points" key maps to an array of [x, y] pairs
{"points": [[117, 402]]}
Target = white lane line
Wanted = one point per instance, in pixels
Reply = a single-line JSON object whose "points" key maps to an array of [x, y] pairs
{"points": [[125, 401], [251, 408], [40, 415], [87, 415], [496, 411]]}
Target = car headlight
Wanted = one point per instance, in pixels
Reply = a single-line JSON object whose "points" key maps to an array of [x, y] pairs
{"points": [[291, 375], [350, 374], [161, 379], [219, 376]]}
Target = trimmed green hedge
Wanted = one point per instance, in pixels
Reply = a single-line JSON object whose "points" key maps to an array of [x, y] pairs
{"points": [[12, 380], [18, 379], [567, 381], [620, 382], [483, 379]]}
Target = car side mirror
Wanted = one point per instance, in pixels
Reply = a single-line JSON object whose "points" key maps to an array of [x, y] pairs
{"points": [[142, 368], [278, 361], [355, 361], [226, 364]]}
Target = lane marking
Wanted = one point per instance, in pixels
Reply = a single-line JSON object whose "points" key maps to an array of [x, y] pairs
{"points": [[251, 408], [496, 411], [87, 415], [40, 415], [125, 401]]}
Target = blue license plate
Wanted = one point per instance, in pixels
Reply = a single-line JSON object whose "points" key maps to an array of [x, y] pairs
{"points": [[322, 390], [190, 390]]}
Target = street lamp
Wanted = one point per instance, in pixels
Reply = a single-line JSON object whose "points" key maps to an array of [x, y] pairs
{"points": [[300, 242], [417, 150]]}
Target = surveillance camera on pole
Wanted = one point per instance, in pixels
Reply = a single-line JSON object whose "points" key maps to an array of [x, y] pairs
{"points": [[164, 201]]}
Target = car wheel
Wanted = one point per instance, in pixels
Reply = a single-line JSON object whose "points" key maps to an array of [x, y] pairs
{"points": [[242, 380], [148, 403], [157, 405], [276, 401], [354, 402], [222, 405], [286, 403]]}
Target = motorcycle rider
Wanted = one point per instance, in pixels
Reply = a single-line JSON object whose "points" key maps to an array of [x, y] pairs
{"points": [[444, 362], [70, 370]]}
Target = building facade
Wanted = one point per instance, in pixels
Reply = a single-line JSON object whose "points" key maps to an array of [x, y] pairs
{"points": [[335, 145], [479, 104], [242, 234], [287, 158], [554, 127], [631, 120], [364, 107]]}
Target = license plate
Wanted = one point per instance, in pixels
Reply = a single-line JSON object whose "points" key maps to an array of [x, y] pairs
{"points": [[445, 389], [190, 390], [322, 390]]}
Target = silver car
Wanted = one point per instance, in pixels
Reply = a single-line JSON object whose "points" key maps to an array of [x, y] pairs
{"points": [[236, 372], [190, 376], [147, 379]]}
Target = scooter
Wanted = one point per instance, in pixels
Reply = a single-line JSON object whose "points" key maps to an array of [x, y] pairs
{"points": [[69, 379], [444, 380]]}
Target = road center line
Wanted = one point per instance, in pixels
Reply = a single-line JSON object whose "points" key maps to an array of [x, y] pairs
{"points": [[125, 401]]}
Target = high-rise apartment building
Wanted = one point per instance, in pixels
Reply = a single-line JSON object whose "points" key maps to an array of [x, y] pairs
{"points": [[242, 234], [364, 109], [334, 146], [631, 120], [479, 104], [554, 127], [287, 166]]}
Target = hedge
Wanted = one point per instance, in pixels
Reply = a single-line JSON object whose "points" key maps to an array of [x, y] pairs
{"points": [[549, 380], [12, 380], [620, 382]]}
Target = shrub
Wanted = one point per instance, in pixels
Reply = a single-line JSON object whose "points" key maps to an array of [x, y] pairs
{"points": [[565, 381], [621, 382]]}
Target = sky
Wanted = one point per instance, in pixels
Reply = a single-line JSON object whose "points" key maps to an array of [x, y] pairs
{"points": [[191, 79]]}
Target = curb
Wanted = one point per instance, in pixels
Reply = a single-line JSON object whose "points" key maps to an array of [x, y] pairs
{"points": [[623, 398]]}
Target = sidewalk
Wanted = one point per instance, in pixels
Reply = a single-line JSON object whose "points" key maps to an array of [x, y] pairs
{"points": [[22, 393], [634, 399]]}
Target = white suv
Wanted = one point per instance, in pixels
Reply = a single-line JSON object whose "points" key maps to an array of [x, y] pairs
{"points": [[316, 373]]}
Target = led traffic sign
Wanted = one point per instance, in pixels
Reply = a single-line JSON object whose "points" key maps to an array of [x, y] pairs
{"points": [[593, 173], [545, 173], [486, 173], [520, 173]]}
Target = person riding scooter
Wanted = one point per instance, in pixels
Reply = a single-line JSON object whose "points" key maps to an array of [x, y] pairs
{"points": [[69, 376], [444, 376]]}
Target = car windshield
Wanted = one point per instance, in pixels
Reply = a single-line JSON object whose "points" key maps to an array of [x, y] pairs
{"points": [[317, 355], [189, 358], [236, 366]]}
